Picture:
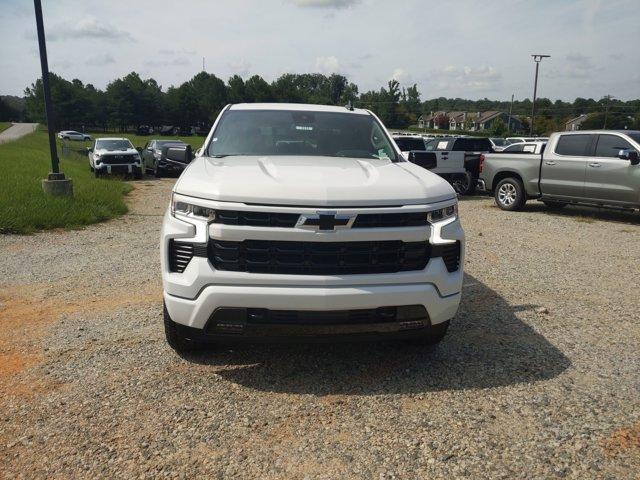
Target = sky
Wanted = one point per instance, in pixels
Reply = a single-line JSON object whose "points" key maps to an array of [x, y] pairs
{"points": [[457, 48]]}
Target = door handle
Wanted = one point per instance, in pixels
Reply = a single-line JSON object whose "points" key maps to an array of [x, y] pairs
{"points": [[594, 164], [550, 163]]}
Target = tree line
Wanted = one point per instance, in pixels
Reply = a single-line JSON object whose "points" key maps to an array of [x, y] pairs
{"points": [[131, 101]]}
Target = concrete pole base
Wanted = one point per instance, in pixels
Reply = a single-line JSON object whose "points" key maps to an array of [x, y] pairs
{"points": [[57, 185]]}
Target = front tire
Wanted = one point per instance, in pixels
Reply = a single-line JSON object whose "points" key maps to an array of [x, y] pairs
{"points": [[157, 171], [510, 194], [176, 336]]}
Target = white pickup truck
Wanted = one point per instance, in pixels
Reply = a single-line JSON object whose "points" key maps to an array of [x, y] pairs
{"points": [[306, 221]]}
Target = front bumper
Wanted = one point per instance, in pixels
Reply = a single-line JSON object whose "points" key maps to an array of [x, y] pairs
{"points": [[118, 167], [191, 297]]}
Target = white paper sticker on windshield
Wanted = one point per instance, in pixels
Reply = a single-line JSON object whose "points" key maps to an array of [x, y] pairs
{"points": [[442, 145], [304, 127], [214, 139]]}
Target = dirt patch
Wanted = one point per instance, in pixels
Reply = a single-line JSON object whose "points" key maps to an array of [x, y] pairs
{"points": [[623, 440], [26, 311]]}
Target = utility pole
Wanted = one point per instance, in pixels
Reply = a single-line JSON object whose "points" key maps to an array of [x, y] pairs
{"points": [[536, 58], [55, 184], [203, 65], [510, 110], [606, 111]]}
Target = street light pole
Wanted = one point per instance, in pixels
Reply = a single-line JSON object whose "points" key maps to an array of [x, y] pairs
{"points": [[55, 184], [537, 59]]}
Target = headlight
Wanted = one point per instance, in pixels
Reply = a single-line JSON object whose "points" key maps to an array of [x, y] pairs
{"points": [[180, 208], [442, 213]]}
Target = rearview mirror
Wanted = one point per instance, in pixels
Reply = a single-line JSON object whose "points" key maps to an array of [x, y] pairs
{"points": [[178, 153], [630, 155], [424, 159]]}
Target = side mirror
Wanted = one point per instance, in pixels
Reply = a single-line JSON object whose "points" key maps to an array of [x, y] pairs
{"points": [[178, 153], [630, 155], [89, 150], [424, 159]]}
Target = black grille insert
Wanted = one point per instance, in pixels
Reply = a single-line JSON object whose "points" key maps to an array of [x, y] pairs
{"points": [[180, 254], [318, 258], [288, 220], [118, 159], [450, 254]]}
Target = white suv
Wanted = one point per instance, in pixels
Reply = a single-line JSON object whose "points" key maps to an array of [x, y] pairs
{"points": [[305, 220]]}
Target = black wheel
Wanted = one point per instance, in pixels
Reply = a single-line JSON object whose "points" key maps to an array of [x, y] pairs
{"points": [[91, 169], [510, 194], [177, 336], [434, 336], [137, 174], [464, 183], [554, 205], [97, 173]]}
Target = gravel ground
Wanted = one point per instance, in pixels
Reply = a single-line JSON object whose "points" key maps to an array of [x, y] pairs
{"points": [[538, 377]]}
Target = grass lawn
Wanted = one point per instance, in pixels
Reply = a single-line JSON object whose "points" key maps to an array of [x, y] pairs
{"points": [[25, 208], [4, 126]]}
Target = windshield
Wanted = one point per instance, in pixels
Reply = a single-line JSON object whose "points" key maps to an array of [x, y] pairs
{"points": [[113, 144], [634, 135], [287, 132], [500, 142], [406, 144]]}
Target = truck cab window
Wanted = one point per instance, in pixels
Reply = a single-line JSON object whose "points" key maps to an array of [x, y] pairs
{"points": [[610, 146], [573, 145]]}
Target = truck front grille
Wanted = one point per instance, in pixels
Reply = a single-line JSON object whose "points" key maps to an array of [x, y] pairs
{"points": [[318, 258], [288, 220], [450, 254], [118, 159]]}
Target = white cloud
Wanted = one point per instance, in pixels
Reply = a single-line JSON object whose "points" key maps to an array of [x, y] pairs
{"points": [[327, 65], [400, 75], [88, 28], [100, 60], [472, 78], [325, 3]]}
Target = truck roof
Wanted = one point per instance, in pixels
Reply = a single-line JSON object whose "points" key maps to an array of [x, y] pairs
{"points": [[578, 132], [302, 107]]}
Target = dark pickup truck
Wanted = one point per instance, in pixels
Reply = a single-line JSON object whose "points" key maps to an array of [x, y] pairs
{"points": [[470, 148]]}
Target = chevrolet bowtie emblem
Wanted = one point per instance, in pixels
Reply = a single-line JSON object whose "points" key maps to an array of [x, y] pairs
{"points": [[325, 221]]}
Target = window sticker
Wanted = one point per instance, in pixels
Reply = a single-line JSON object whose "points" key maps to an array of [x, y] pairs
{"points": [[442, 145]]}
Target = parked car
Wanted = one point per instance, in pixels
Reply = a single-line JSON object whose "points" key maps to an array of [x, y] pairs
{"points": [[525, 147], [305, 220], [114, 155], [154, 161], [469, 150], [597, 167], [167, 130], [73, 135], [144, 130], [499, 144]]}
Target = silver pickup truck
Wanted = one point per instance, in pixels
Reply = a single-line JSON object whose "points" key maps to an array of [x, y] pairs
{"points": [[597, 167]]}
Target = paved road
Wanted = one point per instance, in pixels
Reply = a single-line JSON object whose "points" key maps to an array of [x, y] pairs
{"points": [[16, 131], [537, 378]]}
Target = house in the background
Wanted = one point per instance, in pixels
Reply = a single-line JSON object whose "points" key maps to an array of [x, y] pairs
{"points": [[484, 121], [470, 121], [575, 123]]}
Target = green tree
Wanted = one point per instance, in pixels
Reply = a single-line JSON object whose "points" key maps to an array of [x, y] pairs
{"points": [[498, 128], [258, 90]]}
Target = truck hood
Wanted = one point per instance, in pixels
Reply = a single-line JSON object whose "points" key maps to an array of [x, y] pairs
{"points": [[311, 181], [128, 151]]}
